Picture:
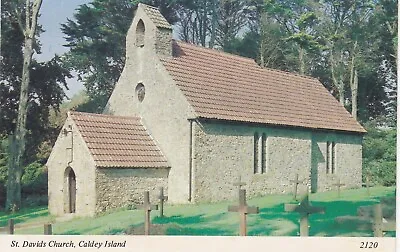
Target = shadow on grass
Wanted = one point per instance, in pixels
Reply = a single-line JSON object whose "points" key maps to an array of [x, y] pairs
{"points": [[195, 225], [24, 215]]}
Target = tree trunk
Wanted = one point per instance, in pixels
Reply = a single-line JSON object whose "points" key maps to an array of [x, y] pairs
{"points": [[17, 141], [354, 95], [13, 200], [353, 82], [213, 24], [263, 20], [301, 60], [341, 91]]}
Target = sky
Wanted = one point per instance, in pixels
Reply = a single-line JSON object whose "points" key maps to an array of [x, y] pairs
{"points": [[53, 13]]}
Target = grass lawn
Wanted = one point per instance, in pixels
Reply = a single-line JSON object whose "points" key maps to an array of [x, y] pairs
{"points": [[214, 219]]}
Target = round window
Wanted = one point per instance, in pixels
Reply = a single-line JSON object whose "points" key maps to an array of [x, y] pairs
{"points": [[140, 91]]}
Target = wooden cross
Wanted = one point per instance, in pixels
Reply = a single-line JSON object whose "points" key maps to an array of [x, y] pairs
{"points": [[243, 210], [378, 225], [305, 209], [367, 185], [162, 198], [147, 207], [338, 184], [10, 226], [239, 183], [296, 182], [47, 229]]}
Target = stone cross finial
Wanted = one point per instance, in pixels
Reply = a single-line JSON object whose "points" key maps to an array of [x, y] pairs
{"points": [[305, 209], [338, 184], [162, 198], [243, 210], [147, 207]]}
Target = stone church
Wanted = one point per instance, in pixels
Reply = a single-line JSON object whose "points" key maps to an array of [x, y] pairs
{"points": [[192, 120]]}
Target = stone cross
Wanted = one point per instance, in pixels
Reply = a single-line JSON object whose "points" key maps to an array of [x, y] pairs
{"points": [[147, 207], [338, 184], [162, 198], [243, 210], [296, 182], [378, 225], [305, 209], [239, 183]]}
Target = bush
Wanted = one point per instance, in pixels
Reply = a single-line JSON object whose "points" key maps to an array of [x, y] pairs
{"points": [[34, 179], [379, 155]]}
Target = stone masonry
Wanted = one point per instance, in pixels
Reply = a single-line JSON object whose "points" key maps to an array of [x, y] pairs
{"points": [[125, 187]]}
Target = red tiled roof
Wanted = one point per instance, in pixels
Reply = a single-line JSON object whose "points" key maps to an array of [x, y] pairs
{"points": [[117, 141], [227, 87]]}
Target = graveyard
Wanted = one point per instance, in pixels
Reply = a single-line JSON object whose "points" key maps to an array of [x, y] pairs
{"points": [[328, 214]]}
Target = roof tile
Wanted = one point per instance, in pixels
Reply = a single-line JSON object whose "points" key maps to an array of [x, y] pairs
{"points": [[228, 87], [117, 141]]}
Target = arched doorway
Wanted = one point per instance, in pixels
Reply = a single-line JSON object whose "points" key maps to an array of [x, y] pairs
{"points": [[70, 190]]}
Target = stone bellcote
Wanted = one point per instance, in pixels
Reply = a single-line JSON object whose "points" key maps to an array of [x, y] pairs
{"points": [[151, 31]]}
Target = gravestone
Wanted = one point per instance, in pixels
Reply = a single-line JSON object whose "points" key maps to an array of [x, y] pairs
{"points": [[48, 229], [379, 225], [243, 209], [239, 183], [162, 198], [304, 208], [10, 226], [367, 184], [338, 184], [296, 182], [147, 207]]}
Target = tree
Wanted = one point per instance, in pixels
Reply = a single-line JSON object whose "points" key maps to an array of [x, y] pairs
{"points": [[232, 17], [17, 141], [96, 42], [194, 21], [298, 19], [44, 91]]}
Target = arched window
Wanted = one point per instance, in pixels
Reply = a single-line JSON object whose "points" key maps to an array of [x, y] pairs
{"points": [[140, 91], [140, 34]]}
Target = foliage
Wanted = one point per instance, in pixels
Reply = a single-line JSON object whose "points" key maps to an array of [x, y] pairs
{"points": [[379, 155], [45, 87], [34, 179], [96, 39]]}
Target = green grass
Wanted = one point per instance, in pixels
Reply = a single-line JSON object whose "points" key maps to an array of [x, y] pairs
{"points": [[26, 215], [214, 219]]}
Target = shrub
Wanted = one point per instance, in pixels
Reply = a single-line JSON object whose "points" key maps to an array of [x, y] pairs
{"points": [[379, 155], [34, 179]]}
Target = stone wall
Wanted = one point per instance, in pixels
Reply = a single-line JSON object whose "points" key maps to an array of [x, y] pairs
{"points": [[164, 42], [223, 152], [348, 164], [83, 166], [164, 109], [124, 187]]}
